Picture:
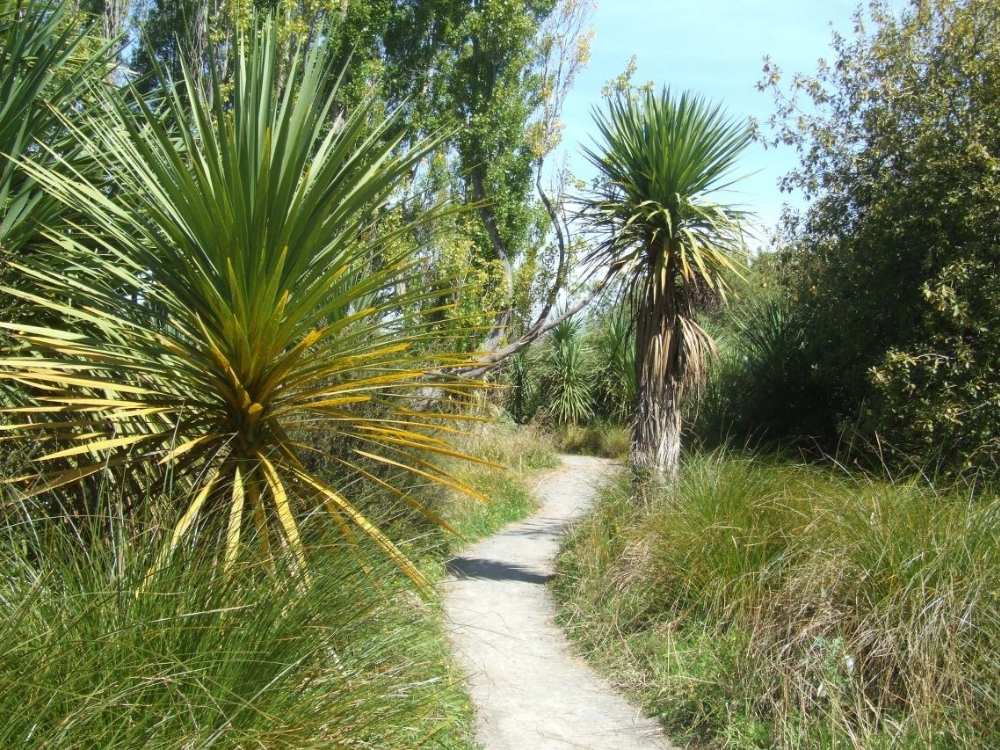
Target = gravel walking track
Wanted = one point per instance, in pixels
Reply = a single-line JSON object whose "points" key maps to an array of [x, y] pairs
{"points": [[530, 690]]}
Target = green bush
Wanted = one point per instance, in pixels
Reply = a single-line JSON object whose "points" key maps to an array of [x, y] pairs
{"points": [[520, 379], [613, 344], [892, 268], [763, 604], [760, 386], [566, 375], [939, 400]]}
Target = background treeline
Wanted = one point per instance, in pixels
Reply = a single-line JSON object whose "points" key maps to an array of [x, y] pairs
{"points": [[869, 331]]}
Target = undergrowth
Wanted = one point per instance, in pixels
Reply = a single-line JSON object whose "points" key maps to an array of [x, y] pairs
{"points": [[605, 439], [94, 654], [764, 604]]}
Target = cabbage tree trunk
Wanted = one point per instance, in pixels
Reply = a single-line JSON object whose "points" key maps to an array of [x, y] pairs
{"points": [[656, 432]]}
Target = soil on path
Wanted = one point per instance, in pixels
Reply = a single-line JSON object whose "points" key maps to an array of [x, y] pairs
{"points": [[531, 692]]}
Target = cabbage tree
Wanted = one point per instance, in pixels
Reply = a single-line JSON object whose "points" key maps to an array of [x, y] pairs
{"points": [[661, 160], [229, 299]]}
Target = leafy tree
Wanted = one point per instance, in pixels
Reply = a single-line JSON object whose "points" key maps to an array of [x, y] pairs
{"points": [[900, 148], [660, 159]]}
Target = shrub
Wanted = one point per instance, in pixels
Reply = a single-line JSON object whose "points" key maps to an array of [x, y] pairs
{"points": [[760, 386], [939, 401], [231, 293], [614, 354], [597, 438], [523, 389], [892, 263], [567, 375]]}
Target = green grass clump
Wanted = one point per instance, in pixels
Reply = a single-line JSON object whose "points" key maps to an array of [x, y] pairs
{"points": [[598, 438], [763, 604], [94, 655]]}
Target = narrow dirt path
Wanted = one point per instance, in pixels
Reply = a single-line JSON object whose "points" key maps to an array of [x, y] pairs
{"points": [[531, 692]]}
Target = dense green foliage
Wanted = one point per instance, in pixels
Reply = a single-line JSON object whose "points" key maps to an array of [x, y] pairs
{"points": [[566, 375], [892, 270], [583, 369], [764, 604], [49, 58], [760, 386], [614, 365], [481, 71]]}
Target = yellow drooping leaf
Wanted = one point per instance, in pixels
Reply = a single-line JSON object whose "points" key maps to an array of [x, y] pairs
{"points": [[52, 377], [96, 447], [436, 478], [285, 517], [186, 446], [235, 521], [340, 503], [183, 525]]}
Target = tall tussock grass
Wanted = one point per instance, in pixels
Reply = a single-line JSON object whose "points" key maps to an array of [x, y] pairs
{"points": [[769, 604], [95, 655], [513, 453]]}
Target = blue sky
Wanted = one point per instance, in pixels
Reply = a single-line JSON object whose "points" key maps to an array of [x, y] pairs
{"points": [[715, 47]]}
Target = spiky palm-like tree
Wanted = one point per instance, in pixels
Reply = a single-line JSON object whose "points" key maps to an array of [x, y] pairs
{"points": [[661, 158], [231, 294], [48, 60]]}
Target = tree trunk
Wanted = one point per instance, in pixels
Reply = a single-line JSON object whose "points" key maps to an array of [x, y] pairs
{"points": [[656, 432]]}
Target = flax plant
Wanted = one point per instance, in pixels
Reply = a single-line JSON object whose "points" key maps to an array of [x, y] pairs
{"points": [[567, 378], [229, 294]]}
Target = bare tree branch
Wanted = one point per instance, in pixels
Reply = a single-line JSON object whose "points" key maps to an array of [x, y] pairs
{"points": [[541, 327]]}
